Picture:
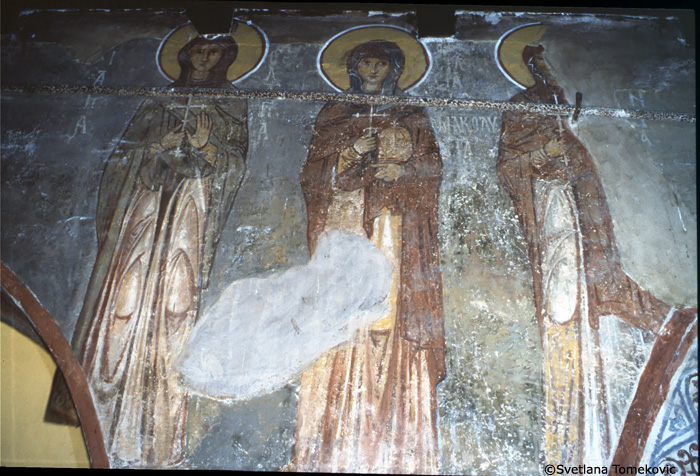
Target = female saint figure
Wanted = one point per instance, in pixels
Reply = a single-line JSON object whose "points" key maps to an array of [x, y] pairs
{"points": [[577, 277], [370, 405], [164, 198]]}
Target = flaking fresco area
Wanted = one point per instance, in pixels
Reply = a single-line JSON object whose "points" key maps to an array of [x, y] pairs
{"points": [[490, 316]]}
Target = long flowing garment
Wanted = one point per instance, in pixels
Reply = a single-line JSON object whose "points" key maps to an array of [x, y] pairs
{"points": [[370, 405], [577, 276], [160, 215], [145, 315]]}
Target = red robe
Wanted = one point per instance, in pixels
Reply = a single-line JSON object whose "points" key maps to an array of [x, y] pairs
{"points": [[575, 417], [610, 290], [398, 433], [159, 218], [415, 198]]}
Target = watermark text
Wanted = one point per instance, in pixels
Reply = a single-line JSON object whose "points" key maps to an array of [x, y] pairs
{"points": [[551, 469]]}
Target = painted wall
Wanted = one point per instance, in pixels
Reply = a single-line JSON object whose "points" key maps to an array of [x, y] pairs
{"points": [[55, 145]]}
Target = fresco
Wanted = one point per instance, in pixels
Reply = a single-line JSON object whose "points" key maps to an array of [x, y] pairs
{"points": [[299, 251], [675, 438], [376, 172], [165, 195], [577, 276]]}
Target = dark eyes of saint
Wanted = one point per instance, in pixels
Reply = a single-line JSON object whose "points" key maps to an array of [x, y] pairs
{"points": [[199, 51], [378, 63]]}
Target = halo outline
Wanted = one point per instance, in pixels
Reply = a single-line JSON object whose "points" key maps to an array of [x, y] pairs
{"points": [[423, 47], [260, 60], [497, 54]]}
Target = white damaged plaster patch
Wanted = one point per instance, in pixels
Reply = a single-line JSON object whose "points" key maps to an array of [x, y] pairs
{"points": [[263, 331]]}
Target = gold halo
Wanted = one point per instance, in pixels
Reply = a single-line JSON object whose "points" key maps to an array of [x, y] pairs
{"points": [[333, 58], [251, 41], [509, 53]]}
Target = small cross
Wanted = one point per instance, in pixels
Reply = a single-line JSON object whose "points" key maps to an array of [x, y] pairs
{"points": [[371, 115], [186, 107]]}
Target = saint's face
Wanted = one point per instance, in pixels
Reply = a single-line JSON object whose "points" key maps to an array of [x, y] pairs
{"points": [[542, 68], [373, 72], [205, 57]]}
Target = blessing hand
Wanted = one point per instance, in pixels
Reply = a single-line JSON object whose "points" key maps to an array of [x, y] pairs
{"points": [[202, 132]]}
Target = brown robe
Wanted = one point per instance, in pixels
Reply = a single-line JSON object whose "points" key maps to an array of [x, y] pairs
{"points": [[610, 290], [573, 389], [380, 373]]}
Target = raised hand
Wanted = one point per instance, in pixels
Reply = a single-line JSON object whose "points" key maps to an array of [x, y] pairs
{"points": [[202, 131], [367, 143], [555, 147], [173, 138], [539, 158]]}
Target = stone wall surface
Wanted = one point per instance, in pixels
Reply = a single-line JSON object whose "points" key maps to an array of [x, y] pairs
{"points": [[56, 142]]}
